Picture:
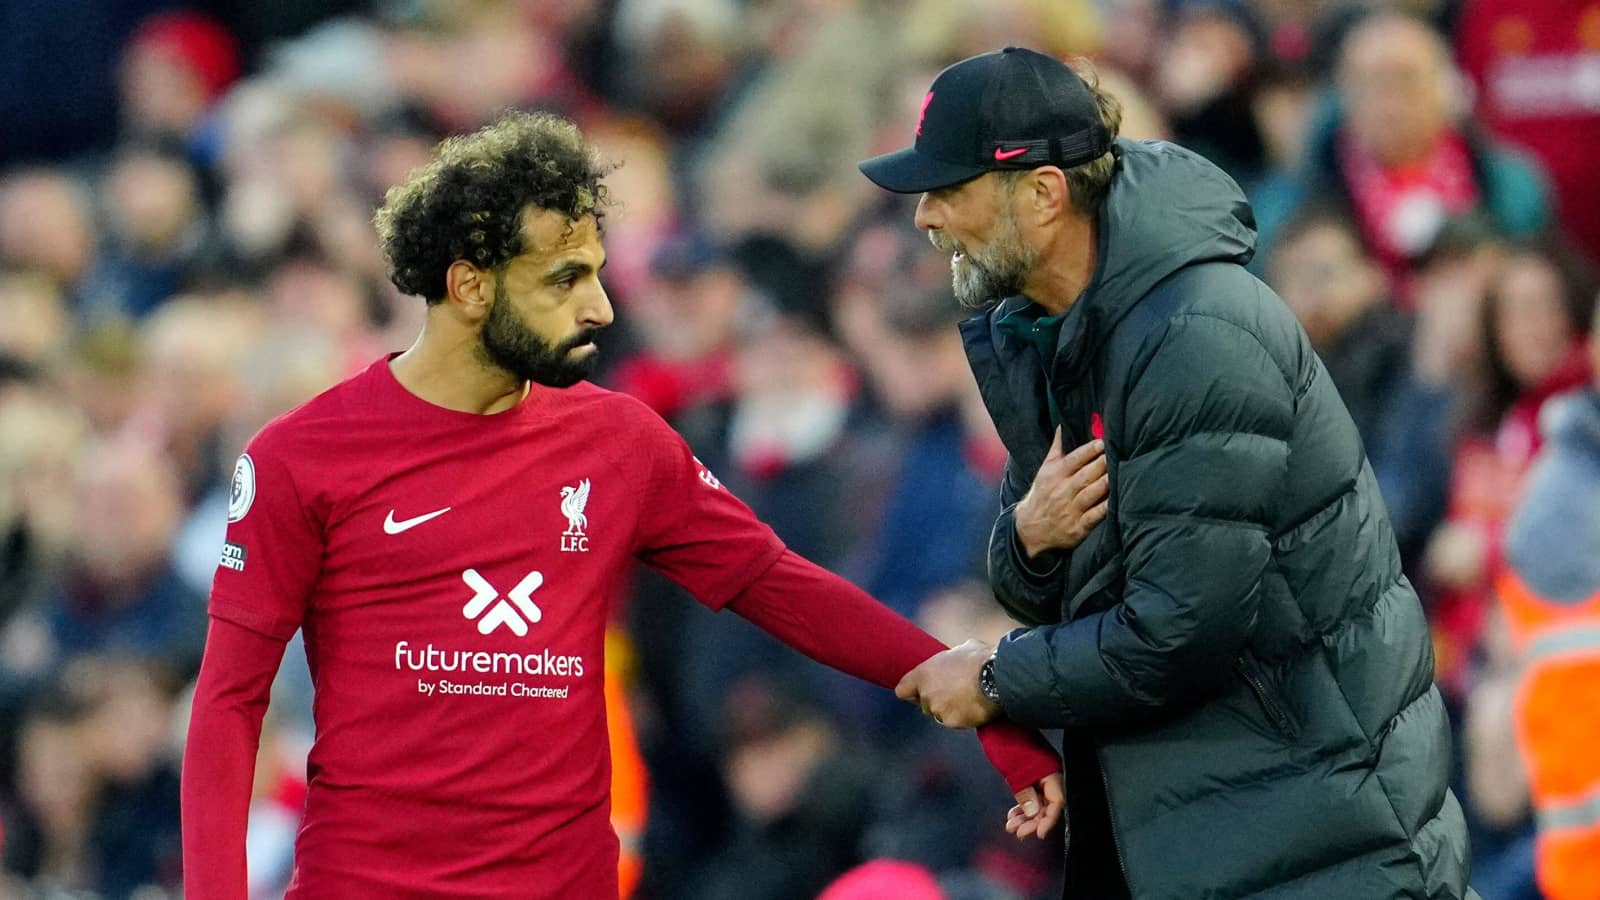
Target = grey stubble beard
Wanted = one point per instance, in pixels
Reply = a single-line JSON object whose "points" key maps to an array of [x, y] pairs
{"points": [[1000, 270]]}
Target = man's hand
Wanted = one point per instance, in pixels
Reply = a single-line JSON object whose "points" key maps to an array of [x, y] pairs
{"points": [[946, 687], [1067, 499], [1030, 817]]}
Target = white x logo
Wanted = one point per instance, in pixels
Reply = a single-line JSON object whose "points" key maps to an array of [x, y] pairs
{"points": [[502, 613]]}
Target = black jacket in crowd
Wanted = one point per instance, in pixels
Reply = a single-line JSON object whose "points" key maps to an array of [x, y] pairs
{"points": [[1243, 676]]}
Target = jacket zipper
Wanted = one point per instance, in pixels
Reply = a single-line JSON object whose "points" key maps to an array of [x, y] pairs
{"points": [[1116, 843], [1259, 688]]}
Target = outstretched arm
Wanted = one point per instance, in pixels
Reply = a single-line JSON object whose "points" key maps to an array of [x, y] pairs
{"points": [[693, 530], [837, 624]]}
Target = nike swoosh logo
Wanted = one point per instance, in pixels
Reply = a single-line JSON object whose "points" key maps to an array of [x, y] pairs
{"points": [[390, 526], [1004, 155]]}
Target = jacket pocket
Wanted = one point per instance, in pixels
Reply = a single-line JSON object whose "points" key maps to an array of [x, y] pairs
{"points": [[1251, 674]]}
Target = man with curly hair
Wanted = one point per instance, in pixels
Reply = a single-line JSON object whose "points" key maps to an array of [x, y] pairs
{"points": [[448, 529]]}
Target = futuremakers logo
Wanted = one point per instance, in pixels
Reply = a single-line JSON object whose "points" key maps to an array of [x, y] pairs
{"points": [[516, 610], [490, 610]]}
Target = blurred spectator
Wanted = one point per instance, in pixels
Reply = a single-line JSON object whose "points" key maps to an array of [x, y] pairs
{"points": [[159, 236], [45, 226], [1550, 592], [787, 457], [38, 323], [1446, 346], [396, 142], [1532, 331], [283, 369], [1322, 271], [782, 161], [102, 374], [899, 321], [1206, 81], [1282, 104], [1142, 118], [684, 320], [341, 68], [97, 783], [308, 294], [258, 24], [190, 381], [793, 398], [638, 228], [1537, 70], [797, 794], [1401, 155], [682, 56], [1451, 287], [509, 48], [286, 190], [768, 413], [47, 835], [120, 592], [41, 439], [174, 69], [1132, 42], [686, 317]]}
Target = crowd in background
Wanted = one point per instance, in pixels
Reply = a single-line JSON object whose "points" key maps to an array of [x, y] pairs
{"points": [[186, 252]]}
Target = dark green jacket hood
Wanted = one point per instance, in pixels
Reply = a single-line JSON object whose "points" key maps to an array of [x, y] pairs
{"points": [[1168, 208]]}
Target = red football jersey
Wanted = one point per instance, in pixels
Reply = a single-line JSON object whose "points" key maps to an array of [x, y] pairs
{"points": [[452, 573]]}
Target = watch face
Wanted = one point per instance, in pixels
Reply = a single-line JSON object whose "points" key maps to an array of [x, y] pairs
{"points": [[986, 684]]}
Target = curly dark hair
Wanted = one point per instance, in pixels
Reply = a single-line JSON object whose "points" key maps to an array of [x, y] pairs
{"points": [[468, 202]]}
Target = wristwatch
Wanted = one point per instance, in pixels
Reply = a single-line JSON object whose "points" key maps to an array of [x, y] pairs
{"points": [[986, 685]]}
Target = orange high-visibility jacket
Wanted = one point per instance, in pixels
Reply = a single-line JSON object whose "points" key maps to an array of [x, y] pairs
{"points": [[1550, 589], [630, 784]]}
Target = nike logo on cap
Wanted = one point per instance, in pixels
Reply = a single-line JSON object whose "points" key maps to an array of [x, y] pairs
{"points": [[1004, 155], [390, 526]]}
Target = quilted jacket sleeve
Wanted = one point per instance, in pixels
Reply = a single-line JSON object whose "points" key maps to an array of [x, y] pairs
{"points": [[1029, 590], [1202, 460]]}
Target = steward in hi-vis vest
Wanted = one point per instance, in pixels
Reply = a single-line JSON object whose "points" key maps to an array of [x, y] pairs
{"points": [[1551, 593]]}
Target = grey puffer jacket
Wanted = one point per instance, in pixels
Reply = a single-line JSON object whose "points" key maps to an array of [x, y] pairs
{"points": [[1235, 647]]}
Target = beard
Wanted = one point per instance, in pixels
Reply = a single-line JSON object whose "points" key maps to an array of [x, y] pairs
{"points": [[999, 270], [507, 343]]}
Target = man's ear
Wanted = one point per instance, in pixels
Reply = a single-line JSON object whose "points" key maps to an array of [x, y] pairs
{"points": [[1045, 195], [470, 289]]}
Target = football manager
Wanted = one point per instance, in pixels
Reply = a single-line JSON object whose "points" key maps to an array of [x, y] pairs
{"points": [[1218, 619]]}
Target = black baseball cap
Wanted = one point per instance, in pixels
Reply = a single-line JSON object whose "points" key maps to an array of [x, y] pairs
{"points": [[1006, 109]]}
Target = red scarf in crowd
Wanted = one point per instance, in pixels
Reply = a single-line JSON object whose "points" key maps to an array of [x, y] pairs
{"points": [[1400, 208]]}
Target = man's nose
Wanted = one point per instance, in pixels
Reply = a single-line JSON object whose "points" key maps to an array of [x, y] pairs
{"points": [[598, 314], [930, 213]]}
